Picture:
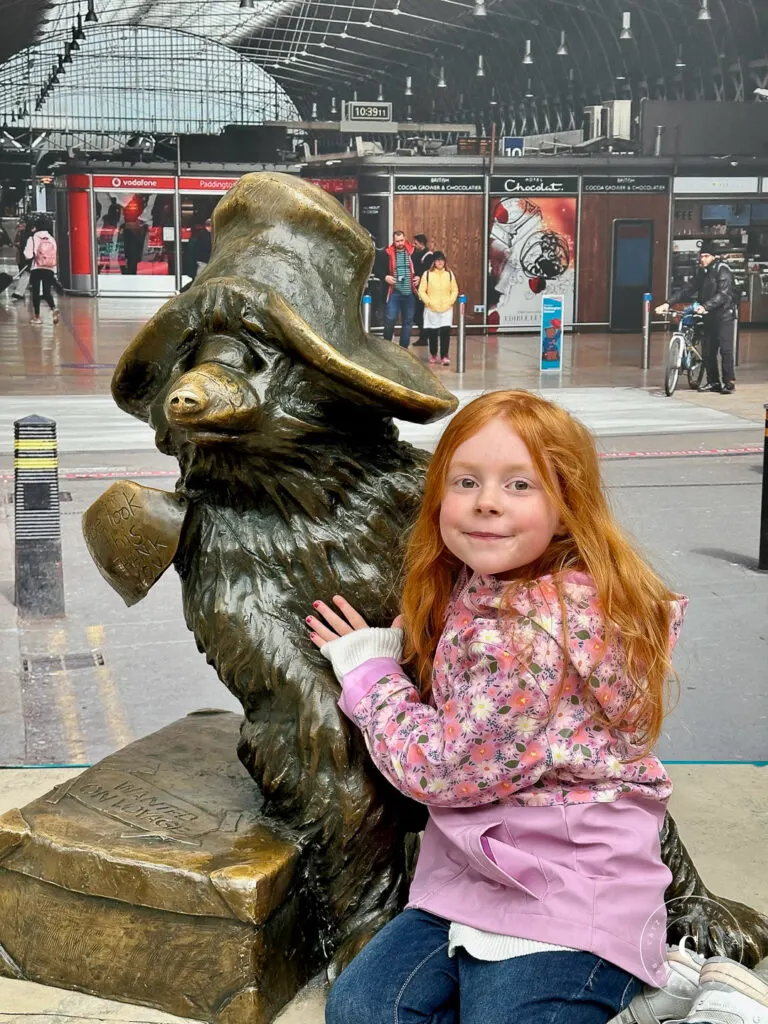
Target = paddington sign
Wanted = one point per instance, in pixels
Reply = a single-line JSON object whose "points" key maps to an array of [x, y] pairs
{"points": [[207, 184], [533, 185]]}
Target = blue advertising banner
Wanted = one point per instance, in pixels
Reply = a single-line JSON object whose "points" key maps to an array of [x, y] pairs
{"points": [[552, 332]]}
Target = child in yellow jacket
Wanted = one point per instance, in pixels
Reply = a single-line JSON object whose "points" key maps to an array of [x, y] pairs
{"points": [[438, 291]]}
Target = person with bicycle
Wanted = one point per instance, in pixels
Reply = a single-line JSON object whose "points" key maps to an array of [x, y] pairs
{"points": [[714, 289]]}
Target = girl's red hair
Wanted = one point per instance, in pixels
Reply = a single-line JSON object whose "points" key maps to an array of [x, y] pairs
{"points": [[634, 601]]}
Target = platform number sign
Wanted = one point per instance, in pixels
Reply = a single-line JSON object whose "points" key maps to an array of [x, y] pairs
{"points": [[513, 145]]}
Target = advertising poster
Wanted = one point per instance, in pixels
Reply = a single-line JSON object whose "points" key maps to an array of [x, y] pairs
{"points": [[531, 251], [552, 332]]}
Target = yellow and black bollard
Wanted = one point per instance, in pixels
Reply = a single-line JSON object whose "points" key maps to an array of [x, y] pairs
{"points": [[39, 574]]}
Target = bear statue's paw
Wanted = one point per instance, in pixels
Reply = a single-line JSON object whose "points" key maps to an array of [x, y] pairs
{"points": [[720, 927]]}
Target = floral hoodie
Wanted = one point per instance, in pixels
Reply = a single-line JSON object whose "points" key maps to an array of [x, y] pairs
{"points": [[520, 695]]}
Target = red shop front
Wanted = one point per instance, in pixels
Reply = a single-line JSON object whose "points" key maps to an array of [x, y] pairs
{"points": [[122, 230], [144, 234]]}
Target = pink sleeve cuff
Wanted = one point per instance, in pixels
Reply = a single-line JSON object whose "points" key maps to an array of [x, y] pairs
{"points": [[361, 680]]}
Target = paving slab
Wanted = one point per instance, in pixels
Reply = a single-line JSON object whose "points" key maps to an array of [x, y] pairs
{"points": [[93, 423]]}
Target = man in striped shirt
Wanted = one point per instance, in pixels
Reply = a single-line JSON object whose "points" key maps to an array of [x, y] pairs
{"points": [[401, 297]]}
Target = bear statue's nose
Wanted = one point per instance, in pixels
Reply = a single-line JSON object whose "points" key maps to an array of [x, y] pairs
{"points": [[187, 400]]}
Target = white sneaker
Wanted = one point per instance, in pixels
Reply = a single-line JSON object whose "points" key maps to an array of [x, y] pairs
{"points": [[730, 993], [654, 1005]]}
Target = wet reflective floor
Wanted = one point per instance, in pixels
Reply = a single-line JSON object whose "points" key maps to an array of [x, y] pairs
{"points": [[77, 356]]}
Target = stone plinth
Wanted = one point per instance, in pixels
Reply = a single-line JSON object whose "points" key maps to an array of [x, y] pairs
{"points": [[153, 878]]}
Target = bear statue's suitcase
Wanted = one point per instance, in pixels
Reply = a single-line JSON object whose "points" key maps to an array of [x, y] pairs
{"points": [[152, 878]]}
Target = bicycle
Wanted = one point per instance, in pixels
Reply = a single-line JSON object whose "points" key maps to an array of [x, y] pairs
{"points": [[684, 353]]}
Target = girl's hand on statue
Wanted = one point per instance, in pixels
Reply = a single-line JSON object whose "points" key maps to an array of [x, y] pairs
{"points": [[335, 626]]}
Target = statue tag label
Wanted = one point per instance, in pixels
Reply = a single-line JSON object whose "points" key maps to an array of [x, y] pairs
{"points": [[132, 533]]}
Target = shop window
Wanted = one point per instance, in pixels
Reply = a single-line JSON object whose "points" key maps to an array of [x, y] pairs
{"points": [[134, 233]]}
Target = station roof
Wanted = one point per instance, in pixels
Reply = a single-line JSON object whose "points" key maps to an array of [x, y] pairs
{"points": [[459, 59]]}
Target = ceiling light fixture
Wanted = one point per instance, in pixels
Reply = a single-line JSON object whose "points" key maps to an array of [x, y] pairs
{"points": [[396, 8], [380, 97], [314, 111], [626, 26], [74, 45], [334, 108], [704, 14], [409, 86], [480, 11], [480, 73], [67, 55], [529, 91], [680, 63], [562, 50], [527, 56], [441, 80], [246, 5], [91, 17], [80, 32]]}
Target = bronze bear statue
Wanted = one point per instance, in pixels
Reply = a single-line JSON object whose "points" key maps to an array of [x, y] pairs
{"points": [[293, 484]]}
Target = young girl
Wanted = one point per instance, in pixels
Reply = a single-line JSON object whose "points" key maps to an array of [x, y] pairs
{"points": [[438, 291], [537, 652]]}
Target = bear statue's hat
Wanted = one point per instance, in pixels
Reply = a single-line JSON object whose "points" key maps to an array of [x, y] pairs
{"points": [[295, 264]]}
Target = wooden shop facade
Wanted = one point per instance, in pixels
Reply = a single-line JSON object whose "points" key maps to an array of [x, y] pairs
{"points": [[601, 231]]}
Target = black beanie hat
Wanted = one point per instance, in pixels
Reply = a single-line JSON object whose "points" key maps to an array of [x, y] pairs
{"points": [[707, 249]]}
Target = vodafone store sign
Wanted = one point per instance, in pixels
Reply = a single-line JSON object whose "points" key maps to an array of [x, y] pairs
{"points": [[134, 183]]}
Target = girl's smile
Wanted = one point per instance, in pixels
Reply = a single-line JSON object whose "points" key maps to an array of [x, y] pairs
{"points": [[495, 514]]}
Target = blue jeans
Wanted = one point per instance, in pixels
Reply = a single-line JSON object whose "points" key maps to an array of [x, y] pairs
{"points": [[404, 305], [404, 976]]}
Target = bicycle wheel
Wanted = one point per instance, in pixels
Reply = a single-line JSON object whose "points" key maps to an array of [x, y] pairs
{"points": [[673, 364], [695, 371]]}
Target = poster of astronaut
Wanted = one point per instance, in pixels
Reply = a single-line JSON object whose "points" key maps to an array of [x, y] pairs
{"points": [[531, 252]]}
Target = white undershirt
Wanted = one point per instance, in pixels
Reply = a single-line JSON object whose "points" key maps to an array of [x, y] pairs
{"points": [[492, 946]]}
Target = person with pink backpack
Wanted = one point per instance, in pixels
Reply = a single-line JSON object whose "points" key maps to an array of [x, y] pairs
{"points": [[41, 250]]}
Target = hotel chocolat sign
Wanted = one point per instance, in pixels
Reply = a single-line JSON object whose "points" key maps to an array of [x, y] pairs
{"points": [[648, 185], [533, 185], [439, 183]]}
